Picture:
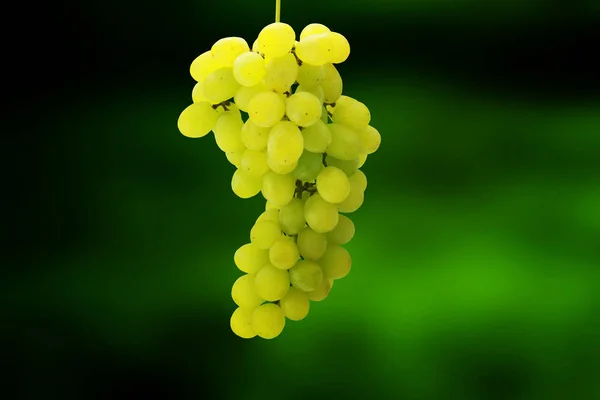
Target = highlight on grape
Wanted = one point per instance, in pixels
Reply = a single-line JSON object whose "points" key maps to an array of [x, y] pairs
{"points": [[278, 113]]}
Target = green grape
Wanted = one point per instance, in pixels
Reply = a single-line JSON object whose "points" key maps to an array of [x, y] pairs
{"points": [[268, 321], [316, 91], [279, 167], [271, 214], [197, 120], [348, 166], [291, 217], [226, 50], [264, 233], [341, 48], [313, 29], [317, 137], [220, 85], [284, 253], [276, 39], [249, 69], [303, 109], [333, 185], [322, 291], [244, 293], [245, 93], [254, 137], [254, 163], [271, 283], [332, 83], [362, 158], [278, 189], [343, 231], [352, 113], [245, 185], [320, 215], [309, 166], [306, 275], [241, 323], [228, 132], [336, 262], [271, 206], [281, 73], [370, 139], [310, 76], [203, 66], [249, 258], [295, 304], [198, 93], [360, 179], [285, 143], [345, 144], [266, 108], [311, 244], [315, 49], [235, 157], [354, 200]]}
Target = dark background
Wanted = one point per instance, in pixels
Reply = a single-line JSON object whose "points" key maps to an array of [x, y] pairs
{"points": [[476, 269]]}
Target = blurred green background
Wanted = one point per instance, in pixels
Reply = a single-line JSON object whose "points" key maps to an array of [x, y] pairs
{"points": [[476, 260]]}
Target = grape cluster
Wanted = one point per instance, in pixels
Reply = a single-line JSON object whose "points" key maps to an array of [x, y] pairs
{"points": [[278, 113]]}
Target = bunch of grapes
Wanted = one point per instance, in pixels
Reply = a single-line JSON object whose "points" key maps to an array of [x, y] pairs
{"points": [[278, 113]]}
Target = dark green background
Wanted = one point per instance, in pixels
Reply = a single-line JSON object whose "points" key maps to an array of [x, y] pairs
{"points": [[476, 260]]}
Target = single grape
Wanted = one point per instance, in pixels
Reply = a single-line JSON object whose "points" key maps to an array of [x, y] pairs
{"points": [[228, 132], [333, 185], [311, 244], [203, 66], [264, 233], [345, 143], [360, 179], [316, 91], [284, 253], [226, 50], [245, 185], [313, 29], [348, 166], [370, 139], [332, 83], [281, 73], [197, 120], [354, 200], [271, 214], [341, 48], [250, 258], [276, 39], [249, 69], [220, 85], [245, 93], [271, 206], [320, 215], [268, 321], [315, 49], [254, 137], [254, 163], [362, 158], [235, 157], [278, 189], [295, 304], [317, 137], [198, 93], [244, 293], [241, 323], [285, 143], [271, 283], [310, 76], [352, 113], [280, 168], [303, 109], [266, 109], [306, 275], [291, 217], [343, 231], [335, 262], [309, 166], [322, 291]]}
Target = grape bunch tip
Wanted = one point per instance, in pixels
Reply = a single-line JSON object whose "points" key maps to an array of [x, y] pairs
{"points": [[278, 113]]}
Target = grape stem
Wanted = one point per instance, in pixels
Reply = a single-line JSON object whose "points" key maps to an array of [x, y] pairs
{"points": [[277, 10]]}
